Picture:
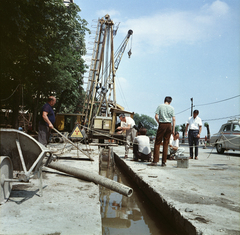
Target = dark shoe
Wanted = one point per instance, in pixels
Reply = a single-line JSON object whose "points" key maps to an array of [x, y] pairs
{"points": [[172, 157], [190, 157], [164, 164], [135, 160], [152, 164], [196, 158]]}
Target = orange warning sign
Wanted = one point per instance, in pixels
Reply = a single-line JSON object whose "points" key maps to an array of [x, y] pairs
{"points": [[76, 132]]}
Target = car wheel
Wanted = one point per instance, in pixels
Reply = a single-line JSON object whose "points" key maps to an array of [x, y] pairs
{"points": [[219, 148]]}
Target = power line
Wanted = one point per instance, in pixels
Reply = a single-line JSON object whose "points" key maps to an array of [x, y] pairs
{"points": [[182, 111], [210, 103], [218, 101], [235, 116]]}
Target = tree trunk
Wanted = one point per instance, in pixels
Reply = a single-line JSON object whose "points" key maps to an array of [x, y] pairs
{"points": [[183, 137], [15, 107], [208, 134], [35, 113]]}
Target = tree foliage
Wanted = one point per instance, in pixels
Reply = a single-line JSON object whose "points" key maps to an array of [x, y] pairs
{"points": [[42, 44], [177, 128], [183, 129], [208, 132], [148, 122]]}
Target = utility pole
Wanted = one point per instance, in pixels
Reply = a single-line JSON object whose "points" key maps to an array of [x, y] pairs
{"points": [[191, 106]]}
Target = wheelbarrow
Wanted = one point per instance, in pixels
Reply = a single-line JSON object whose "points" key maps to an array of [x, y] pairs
{"points": [[21, 153]]}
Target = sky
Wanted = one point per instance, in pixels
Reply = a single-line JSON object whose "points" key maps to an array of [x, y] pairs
{"points": [[180, 48]]}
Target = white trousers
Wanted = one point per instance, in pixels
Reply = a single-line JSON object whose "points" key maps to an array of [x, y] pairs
{"points": [[130, 135], [179, 151]]}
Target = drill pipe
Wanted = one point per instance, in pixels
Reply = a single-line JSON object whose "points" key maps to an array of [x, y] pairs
{"points": [[90, 176]]}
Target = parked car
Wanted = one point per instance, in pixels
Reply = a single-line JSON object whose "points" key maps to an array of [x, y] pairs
{"points": [[228, 137]]}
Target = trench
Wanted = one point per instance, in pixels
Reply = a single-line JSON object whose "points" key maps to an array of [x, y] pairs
{"points": [[127, 215]]}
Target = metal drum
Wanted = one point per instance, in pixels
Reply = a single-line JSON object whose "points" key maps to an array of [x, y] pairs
{"points": [[6, 171]]}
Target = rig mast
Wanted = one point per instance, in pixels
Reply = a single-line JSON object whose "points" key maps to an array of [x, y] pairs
{"points": [[100, 94]]}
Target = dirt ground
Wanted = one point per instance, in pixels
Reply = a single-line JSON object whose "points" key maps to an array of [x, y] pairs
{"points": [[68, 205]]}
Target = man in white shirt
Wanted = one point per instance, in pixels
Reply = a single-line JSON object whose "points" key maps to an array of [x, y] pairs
{"points": [[141, 146], [195, 127], [127, 124], [173, 147]]}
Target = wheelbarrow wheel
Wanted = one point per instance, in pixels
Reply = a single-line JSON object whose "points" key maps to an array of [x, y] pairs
{"points": [[6, 171]]}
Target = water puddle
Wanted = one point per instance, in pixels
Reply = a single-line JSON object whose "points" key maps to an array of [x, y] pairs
{"points": [[123, 215]]}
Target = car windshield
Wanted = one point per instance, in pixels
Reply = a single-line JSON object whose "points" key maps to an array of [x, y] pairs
{"points": [[227, 128], [236, 127]]}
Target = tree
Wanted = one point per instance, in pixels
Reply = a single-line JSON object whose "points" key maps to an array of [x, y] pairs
{"points": [[148, 122], [208, 132], [42, 44], [182, 129], [152, 132]]}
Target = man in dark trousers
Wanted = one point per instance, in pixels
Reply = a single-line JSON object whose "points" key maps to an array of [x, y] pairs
{"points": [[195, 128], [164, 116], [47, 119]]}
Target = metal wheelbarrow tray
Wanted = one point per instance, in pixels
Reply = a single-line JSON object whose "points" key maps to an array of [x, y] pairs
{"points": [[22, 153]]}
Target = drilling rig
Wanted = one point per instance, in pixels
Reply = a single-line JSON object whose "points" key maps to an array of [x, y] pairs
{"points": [[100, 109]]}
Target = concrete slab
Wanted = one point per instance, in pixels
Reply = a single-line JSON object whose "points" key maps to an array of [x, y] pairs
{"points": [[201, 199], [68, 205]]}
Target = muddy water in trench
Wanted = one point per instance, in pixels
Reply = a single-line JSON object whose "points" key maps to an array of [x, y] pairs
{"points": [[123, 215]]}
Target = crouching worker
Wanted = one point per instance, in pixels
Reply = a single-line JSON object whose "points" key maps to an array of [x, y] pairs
{"points": [[173, 148], [141, 146]]}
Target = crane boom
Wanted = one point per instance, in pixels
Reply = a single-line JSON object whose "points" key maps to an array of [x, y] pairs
{"points": [[100, 95], [122, 49]]}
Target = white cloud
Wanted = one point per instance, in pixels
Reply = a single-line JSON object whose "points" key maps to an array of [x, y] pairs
{"points": [[167, 28], [217, 8], [113, 13]]}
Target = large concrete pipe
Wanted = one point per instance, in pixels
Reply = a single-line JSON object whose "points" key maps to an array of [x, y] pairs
{"points": [[89, 176]]}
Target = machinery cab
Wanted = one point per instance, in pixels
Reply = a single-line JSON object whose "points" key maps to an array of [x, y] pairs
{"points": [[105, 127]]}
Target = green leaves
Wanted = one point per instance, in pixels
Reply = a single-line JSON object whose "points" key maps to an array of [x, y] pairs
{"points": [[41, 47], [148, 122]]}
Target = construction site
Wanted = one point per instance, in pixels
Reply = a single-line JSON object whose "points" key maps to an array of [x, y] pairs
{"points": [[80, 183]]}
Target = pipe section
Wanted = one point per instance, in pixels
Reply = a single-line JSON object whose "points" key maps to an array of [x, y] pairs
{"points": [[93, 177]]}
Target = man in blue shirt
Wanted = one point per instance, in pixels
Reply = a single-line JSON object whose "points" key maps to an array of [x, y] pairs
{"points": [[47, 119]]}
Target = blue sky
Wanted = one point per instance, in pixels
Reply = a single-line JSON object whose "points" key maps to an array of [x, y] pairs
{"points": [[180, 48]]}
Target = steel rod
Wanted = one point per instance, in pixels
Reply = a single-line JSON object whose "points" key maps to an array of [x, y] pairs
{"points": [[72, 143], [21, 156]]}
